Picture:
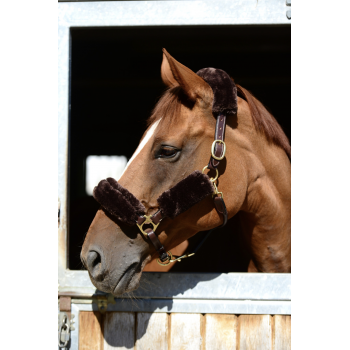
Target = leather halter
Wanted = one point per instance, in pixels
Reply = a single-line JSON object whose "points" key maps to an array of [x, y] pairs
{"points": [[218, 151]]}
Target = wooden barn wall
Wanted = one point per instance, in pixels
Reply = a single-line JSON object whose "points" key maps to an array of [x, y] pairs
{"points": [[180, 331]]}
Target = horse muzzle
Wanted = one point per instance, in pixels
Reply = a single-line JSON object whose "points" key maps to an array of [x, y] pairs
{"points": [[114, 257]]}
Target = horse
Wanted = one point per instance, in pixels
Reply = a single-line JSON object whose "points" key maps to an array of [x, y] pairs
{"points": [[255, 179]]}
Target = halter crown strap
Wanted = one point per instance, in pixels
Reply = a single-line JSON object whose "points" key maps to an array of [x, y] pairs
{"points": [[224, 104]]}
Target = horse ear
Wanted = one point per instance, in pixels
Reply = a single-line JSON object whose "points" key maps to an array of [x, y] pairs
{"points": [[176, 74]]}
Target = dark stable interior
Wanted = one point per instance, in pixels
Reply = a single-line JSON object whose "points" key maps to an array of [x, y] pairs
{"points": [[115, 83]]}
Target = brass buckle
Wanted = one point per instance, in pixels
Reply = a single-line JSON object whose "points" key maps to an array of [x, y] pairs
{"points": [[147, 221], [213, 179], [213, 150]]}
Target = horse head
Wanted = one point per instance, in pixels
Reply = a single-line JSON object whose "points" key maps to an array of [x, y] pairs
{"points": [[177, 142]]}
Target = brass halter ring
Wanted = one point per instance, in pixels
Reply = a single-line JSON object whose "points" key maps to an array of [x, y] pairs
{"points": [[147, 221], [213, 179]]}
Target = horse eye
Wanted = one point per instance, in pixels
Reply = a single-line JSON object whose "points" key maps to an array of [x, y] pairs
{"points": [[167, 152]]}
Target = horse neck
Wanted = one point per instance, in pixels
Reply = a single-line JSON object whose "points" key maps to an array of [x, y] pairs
{"points": [[265, 211]]}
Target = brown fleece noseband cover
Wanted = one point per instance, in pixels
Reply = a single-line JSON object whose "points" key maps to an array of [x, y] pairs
{"points": [[118, 201], [122, 204]]}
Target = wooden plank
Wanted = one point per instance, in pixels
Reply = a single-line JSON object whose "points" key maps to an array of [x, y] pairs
{"points": [[185, 332], [220, 332], [151, 331], [90, 330], [119, 330], [282, 334], [255, 332]]}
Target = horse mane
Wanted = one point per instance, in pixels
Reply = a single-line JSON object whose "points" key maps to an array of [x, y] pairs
{"points": [[168, 108], [264, 121]]}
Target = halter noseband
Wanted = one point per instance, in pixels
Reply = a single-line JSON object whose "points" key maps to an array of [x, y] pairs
{"points": [[119, 202]]}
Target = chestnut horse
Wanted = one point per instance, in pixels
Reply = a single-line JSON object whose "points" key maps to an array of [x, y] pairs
{"points": [[255, 178]]}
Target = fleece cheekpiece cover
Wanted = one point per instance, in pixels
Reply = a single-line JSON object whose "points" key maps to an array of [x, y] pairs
{"points": [[122, 204]]}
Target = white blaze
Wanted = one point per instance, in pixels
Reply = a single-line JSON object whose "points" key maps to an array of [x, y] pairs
{"points": [[143, 143]]}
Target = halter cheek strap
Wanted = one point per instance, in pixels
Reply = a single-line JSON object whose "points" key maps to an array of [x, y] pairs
{"points": [[218, 148]]}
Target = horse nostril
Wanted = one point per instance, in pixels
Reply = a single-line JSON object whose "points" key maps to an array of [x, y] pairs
{"points": [[95, 265]]}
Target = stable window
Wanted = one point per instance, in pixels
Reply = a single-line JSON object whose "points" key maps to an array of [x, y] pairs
{"points": [[115, 84]]}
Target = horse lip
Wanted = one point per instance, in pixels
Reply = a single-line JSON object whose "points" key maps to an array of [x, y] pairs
{"points": [[125, 279]]}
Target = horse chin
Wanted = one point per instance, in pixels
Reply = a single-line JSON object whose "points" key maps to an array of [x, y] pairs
{"points": [[130, 280]]}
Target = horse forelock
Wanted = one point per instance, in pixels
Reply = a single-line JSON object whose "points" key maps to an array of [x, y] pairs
{"points": [[168, 108]]}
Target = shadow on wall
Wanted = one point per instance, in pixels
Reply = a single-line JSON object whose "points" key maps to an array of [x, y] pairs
{"points": [[124, 328]]}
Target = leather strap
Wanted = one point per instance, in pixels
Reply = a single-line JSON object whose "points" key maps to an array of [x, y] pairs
{"points": [[155, 218], [221, 208], [140, 220], [219, 135], [163, 255]]}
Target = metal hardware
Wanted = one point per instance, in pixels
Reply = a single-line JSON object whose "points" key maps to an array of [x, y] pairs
{"points": [[213, 149], [102, 301], [216, 192], [182, 257], [147, 221], [102, 304], [216, 176], [288, 13], [110, 299], [171, 260], [64, 327], [72, 328], [165, 263]]}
